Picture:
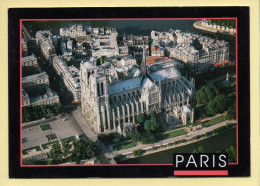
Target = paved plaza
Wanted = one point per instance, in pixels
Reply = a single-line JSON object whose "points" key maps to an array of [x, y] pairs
{"points": [[34, 136]]}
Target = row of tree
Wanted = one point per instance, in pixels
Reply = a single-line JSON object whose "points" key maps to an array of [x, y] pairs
{"points": [[225, 22], [83, 149], [231, 151], [38, 112]]}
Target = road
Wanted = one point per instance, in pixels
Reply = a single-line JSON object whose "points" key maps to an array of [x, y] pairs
{"points": [[106, 154], [171, 140], [83, 125]]}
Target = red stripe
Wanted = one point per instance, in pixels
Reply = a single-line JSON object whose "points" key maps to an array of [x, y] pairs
{"points": [[221, 63], [201, 173]]}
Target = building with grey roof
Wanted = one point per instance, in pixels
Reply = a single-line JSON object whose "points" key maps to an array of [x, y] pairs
{"points": [[197, 51], [29, 61], [34, 84], [37, 86], [104, 45], [73, 31], [44, 41], [69, 75], [48, 98]]}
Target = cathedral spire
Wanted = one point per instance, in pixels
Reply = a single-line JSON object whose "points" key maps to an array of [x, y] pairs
{"points": [[143, 64]]}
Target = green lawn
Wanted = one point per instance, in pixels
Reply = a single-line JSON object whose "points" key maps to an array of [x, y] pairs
{"points": [[26, 150], [214, 121], [45, 146], [51, 137], [124, 146], [172, 134], [69, 139], [45, 127]]}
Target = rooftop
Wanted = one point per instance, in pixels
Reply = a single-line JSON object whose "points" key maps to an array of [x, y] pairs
{"points": [[35, 77], [165, 73], [124, 85], [29, 58]]}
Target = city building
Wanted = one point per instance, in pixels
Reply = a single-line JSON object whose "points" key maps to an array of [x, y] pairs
{"points": [[109, 100], [104, 45], [34, 84], [69, 75], [29, 61], [73, 31], [36, 91], [198, 52], [44, 41], [49, 97]]}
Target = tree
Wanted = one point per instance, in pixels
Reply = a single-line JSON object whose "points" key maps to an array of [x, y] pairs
{"points": [[153, 115], [221, 102], [26, 114], [138, 152], [135, 136], [148, 125], [232, 153], [83, 149], [44, 110], [210, 93], [148, 138], [154, 124], [201, 97], [116, 140], [118, 157], [58, 108], [140, 118], [49, 111], [212, 108], [200, 149], [231, 112], [56, 154], [66, 146], [152, 138]]}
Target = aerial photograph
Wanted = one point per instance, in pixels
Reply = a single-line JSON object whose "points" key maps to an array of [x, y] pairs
{"points": [[127, 91]]}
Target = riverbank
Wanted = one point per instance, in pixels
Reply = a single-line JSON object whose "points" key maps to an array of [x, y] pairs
{"points": [[212, 144], [175, 142], [198, 25]]}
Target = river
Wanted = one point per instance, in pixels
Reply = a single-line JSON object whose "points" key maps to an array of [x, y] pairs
{"points": [[210, 145]]}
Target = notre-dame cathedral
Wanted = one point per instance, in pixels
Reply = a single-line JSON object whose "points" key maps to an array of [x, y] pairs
{"points": [[115, 92]]}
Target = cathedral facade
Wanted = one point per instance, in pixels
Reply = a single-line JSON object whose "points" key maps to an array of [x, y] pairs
{"points": [[112, 96]]}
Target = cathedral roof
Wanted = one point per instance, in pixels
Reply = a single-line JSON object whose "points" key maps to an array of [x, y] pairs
{"points": [[124, 85], [135, 71], [165, 73], [147, 83]]}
